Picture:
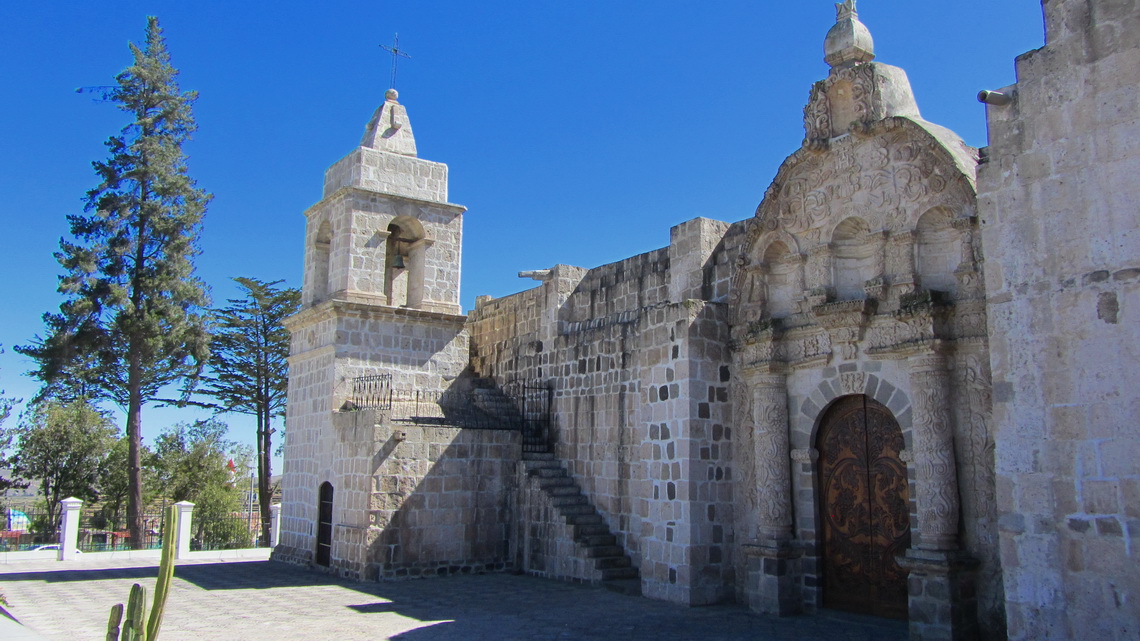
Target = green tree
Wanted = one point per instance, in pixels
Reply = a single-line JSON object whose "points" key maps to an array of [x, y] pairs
{"points": [[249, 368], [190, 463], [64, 446], [6, 439], [114, 482], [131, 323]]}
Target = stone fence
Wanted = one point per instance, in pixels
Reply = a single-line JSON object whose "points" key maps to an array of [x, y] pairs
{"points": [[68, 546]]}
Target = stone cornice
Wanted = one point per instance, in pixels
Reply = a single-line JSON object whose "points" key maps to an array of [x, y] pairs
{"points": [[347, 190], [336, 308]]}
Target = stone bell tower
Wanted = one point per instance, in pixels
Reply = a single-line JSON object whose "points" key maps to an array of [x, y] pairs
{"points": [[384, 233], [380, 301]]}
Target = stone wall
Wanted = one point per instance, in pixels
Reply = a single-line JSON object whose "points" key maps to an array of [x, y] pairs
{"points": [[332, 344], [410, 500], [638, 365], [1058, 199]]}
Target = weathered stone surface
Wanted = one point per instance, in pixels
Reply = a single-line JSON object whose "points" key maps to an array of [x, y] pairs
{"points": [[1058, 196]]}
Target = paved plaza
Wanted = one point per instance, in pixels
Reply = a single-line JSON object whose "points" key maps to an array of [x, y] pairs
{"points": [[262, 600]]}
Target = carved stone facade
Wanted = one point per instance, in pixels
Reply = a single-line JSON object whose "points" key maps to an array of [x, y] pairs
{"points": [[694, 389]]}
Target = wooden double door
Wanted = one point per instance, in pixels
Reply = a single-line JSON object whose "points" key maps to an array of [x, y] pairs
{"points": [[864, 509]]}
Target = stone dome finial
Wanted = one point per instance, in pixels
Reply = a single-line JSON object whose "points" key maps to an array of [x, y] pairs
{"points": [[392, 95], [849, 42]]}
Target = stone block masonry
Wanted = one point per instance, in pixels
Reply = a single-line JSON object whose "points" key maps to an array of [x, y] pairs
{"points": [[1058, 196], [415, 500]]}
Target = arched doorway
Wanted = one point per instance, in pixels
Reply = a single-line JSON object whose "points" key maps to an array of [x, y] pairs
{"points": [[324, 524], [863, 510]]}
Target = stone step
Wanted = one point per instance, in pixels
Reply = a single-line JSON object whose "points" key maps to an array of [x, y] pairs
{"points": [[549, 472], [626, 586], [563, 490], [557, 481], [537, 456], [612, 562], [584, 530], [587, 519], [580, 509], [615, 574], [539, 464], [604, 551], [591, 540], [568, 500]]}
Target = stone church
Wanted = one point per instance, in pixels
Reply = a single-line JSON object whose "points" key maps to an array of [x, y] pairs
{"points": [[898, 389]]}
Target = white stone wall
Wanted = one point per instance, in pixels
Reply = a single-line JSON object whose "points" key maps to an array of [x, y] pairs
{"points": [[1058, 199], [388, 173]]}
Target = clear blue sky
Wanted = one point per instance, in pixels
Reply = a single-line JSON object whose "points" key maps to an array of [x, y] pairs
{"points": [[576, 131]]}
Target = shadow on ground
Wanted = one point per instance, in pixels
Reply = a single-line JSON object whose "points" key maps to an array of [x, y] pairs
{"points": [[507, 607]]}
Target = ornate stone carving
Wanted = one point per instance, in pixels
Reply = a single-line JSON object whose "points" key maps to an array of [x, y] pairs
{"points": [[817, 119], [742, 408], [805, 455], [807, 348], [936, 477], [853, 382], [818, 268], [845, 322], [773, 473]]}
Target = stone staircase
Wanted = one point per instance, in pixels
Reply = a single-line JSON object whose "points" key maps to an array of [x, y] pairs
{"points": [[591, 534]]}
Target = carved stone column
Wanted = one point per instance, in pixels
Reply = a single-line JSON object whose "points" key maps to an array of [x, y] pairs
{"points": [[773, 456], [773, 564], [942, 579], [936, 477]]}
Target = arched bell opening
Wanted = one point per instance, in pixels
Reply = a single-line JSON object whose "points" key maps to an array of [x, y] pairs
{"points": [[404, 263]]}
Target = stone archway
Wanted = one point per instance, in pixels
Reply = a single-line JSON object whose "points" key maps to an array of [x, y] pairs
{"points": [[864, 515]]}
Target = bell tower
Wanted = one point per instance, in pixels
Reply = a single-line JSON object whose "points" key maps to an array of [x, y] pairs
{"points": [[380, 308], [384, 233]]}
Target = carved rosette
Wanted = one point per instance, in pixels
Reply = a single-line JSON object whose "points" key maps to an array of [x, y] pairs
{"points": [[772, 455], [935, 473]]}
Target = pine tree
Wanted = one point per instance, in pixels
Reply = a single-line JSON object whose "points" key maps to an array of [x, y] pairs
{"points": [[131, 323], [248, 366]]}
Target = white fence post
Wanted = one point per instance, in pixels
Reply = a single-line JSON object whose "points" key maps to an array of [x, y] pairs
{"points": [[182, 536], [274, 524], [69, 536]]}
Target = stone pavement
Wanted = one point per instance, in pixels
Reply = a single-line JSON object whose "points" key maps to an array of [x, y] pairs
{"points": [[263, 600]]}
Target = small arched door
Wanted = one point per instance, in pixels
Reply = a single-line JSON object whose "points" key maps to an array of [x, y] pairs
{"points": [[324, 524], [864, 514]]}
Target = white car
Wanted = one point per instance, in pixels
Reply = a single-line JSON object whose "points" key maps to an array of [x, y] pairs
{"points": [[52, 546]]}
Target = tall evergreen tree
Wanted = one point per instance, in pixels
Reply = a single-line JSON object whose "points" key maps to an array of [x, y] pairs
{"points": [[248, 366], [132, 323]]}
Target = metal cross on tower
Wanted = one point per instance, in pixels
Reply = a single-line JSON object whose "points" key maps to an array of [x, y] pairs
{"points": [[397, 53]]}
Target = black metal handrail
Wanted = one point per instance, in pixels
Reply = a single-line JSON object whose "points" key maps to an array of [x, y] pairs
{"points": [[372, 392]]}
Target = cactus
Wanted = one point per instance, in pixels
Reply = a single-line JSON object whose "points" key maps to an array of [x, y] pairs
{"points": [[136, 627]]}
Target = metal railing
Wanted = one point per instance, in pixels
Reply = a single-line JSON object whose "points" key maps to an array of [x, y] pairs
{"points": [[27, 530], [372, 392], [102, 531]]}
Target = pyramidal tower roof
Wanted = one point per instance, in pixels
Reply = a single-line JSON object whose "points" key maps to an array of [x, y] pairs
{"points": [[389, 130], [849, 41]]}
